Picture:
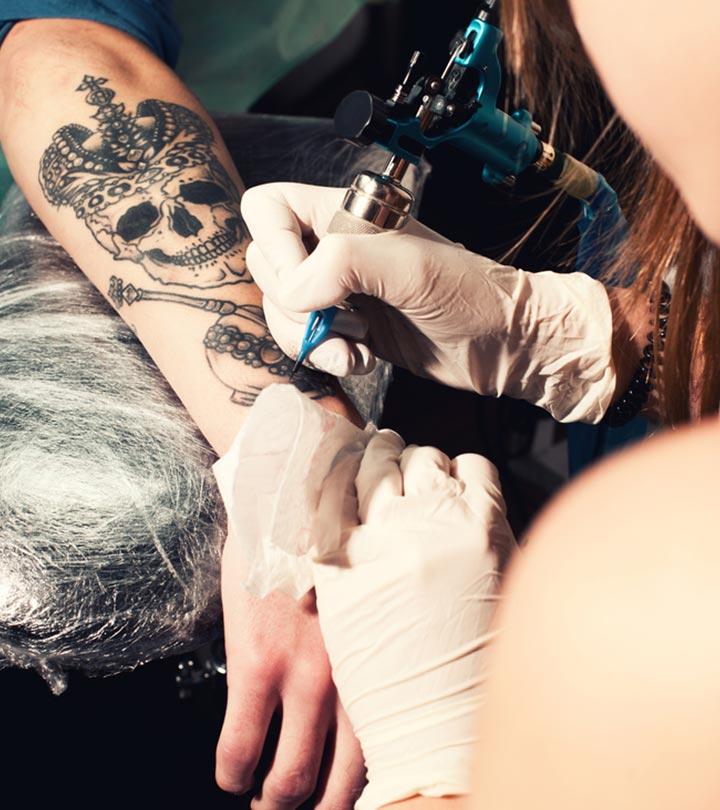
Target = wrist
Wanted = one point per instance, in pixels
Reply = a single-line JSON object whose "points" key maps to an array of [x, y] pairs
{"points": [[427, 750], [427, 803], [341, 405], [443, 775], [634, 397], [630, 319]]}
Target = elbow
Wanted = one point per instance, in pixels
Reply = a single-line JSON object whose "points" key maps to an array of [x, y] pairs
{"points": [[40, 56]]}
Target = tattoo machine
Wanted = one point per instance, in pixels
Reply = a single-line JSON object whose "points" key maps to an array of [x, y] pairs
{"points": [[459, 107]]}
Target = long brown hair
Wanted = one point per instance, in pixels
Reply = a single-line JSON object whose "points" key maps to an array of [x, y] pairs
{"points": [[553, 75]]}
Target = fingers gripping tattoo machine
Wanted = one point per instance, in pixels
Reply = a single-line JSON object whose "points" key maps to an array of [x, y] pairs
{"points": [[459, 107]]}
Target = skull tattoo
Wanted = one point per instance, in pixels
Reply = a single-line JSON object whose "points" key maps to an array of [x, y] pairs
{"points": [[150, 189]]}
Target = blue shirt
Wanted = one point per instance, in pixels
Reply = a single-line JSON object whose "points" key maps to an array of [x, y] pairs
{"points": [[150, 21]]}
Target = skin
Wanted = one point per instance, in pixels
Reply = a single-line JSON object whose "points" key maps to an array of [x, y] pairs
{"points": [[273, 645], [658, 62], [605, 689]]}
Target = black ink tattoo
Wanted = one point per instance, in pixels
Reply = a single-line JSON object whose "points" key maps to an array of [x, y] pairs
{"points": [[239, 336], [150, 188]]}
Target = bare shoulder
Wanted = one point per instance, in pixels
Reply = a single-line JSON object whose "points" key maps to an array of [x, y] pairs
{"points": [[659, 495]]}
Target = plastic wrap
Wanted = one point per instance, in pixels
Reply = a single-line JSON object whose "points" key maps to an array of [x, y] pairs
{"points": [[111, 524]]}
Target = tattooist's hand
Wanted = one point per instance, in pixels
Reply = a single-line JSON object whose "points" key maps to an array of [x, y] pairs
{"points": [[405, 608], [276, 661], [432, 306]]}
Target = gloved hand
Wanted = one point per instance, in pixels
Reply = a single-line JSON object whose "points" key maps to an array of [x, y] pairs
{"points": [[405, 605], [431, 306]]}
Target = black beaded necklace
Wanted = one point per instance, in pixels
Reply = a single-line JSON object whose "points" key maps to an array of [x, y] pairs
{"points": [[635, 398]]}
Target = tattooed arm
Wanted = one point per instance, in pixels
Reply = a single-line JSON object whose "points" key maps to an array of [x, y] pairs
{"points": [[129, 174]]}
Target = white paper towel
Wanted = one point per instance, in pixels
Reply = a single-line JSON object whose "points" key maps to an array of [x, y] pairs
{"points": [[271, 479]]}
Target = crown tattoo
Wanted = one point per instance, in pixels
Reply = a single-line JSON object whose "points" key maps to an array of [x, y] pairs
{"points": [[90, 169]]}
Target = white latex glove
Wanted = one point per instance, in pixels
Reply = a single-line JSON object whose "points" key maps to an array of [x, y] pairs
{"points": [[405, 607], [432, 306]]}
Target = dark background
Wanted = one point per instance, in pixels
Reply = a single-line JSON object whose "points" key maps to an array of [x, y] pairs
{"points": [[130, 738]]}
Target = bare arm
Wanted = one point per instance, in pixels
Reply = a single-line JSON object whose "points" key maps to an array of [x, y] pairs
{"points": [[130, 175]]}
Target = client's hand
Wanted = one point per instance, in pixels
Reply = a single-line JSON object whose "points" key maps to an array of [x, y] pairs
{"points": [[405, 609], [276, 661], [432, 306]]}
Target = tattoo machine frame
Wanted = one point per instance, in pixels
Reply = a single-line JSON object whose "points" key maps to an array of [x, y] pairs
{"points": [[458, 107]]}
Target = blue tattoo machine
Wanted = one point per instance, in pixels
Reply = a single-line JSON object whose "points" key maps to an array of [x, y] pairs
{"points": [[458, 107]]}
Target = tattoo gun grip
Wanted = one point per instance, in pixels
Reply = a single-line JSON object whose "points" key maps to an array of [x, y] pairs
{"points": [[374, 203]]}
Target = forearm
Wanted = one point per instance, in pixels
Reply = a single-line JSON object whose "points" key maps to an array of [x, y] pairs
{"points": [[130, 175]]}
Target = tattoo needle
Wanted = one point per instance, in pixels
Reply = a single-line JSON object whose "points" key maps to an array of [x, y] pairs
{"points": [[317, 329], [295, 367]]}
